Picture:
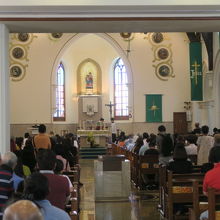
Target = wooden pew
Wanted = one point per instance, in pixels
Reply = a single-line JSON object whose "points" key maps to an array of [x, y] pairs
{"points": [[169, 185], [213, 201], [147, 164], [180, 190], [162, 189], [135, 169], [74, 177], [198, 197]]}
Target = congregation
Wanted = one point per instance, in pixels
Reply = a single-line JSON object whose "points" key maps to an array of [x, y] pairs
{"points": [[176, 153], [29, 171], [32, 177]]}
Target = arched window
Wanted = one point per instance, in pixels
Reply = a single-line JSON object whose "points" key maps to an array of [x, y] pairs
{"points": [[120, 91], [59, 114]]}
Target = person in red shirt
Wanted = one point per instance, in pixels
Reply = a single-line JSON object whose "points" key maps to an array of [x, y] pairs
{"points": [[59, 185], [211, 180]]}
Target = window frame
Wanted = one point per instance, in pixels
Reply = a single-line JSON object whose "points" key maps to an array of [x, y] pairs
{"points": [[63, 118], [123, 117]]}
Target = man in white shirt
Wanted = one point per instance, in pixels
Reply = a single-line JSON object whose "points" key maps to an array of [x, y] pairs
{"points": [[113, 130]]}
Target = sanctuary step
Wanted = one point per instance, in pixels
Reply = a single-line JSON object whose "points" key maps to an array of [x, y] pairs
{"points": [[92, 153]]}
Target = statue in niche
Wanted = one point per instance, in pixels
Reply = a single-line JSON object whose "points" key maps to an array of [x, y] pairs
{"points": [[89, 81]]}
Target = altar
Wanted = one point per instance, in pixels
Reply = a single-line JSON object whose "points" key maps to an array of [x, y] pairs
{"points": [[100, 137]]}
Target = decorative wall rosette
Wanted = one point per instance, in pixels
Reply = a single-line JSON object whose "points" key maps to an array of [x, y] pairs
{"points": [[162, 55], [18, 52]]}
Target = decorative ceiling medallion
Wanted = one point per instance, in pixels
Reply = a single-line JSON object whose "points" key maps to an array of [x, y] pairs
{"points": [[17, 52], [23, 37], [164, 71], [157, 37], [163, 53], [127, 36], [57, 35], [17, 71]]}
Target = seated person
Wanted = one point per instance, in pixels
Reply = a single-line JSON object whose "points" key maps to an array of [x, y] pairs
{"points": [[59, 185], [211, 180], [129, 143], [22, 210], [138, 145], [214, 153], [145, 145], [152, 149], [36, 188], [59, 169], [180, 164], [151, 179]]}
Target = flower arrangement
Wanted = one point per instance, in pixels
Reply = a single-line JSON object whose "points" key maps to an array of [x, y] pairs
{"points": [[91, 139]]}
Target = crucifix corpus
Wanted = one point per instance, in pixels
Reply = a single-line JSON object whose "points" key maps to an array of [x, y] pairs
{"points": [[110, 105]]}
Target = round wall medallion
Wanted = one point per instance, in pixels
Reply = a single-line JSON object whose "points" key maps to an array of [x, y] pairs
{"points": [[57, 35], [157, 37], [163, 53], [125, 35], [15, 71], [23, 37], [164, 70], [17, 52]]}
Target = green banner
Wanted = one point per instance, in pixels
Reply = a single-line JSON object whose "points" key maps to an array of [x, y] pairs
{"points": [[153, 108], [196, 71]]}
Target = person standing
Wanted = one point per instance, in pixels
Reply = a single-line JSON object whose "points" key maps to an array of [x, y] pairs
{"points": [[42, 140], [164, 144], [204, 143], [113, 130]]}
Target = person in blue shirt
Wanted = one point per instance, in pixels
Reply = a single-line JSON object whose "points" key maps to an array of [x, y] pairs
{"points": [[36, 188]]}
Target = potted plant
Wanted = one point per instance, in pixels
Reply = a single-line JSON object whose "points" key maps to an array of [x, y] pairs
{"points": [[91, 139]]}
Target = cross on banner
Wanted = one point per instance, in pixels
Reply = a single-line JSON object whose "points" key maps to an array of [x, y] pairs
{"points": [[195, 72], [110, 105]]}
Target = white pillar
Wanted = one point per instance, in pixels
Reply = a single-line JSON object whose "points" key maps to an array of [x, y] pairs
{"points": [[196, 114], [4, 90]]}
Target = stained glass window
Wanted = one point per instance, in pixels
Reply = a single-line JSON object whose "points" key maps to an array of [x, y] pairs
{"points": [[120, 91], [59, 114]]}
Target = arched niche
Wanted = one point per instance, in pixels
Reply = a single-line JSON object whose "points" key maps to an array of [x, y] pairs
{"points": [[89, 78]]}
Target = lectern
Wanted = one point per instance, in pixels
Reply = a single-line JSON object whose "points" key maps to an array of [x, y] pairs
{"points": [[112, 178]]}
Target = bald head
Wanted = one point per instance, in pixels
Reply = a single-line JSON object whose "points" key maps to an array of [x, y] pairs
{"points": [[9, 159], [22, 210]]}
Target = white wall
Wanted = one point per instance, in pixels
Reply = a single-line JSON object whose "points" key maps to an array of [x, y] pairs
{"points": [[36, 86]]}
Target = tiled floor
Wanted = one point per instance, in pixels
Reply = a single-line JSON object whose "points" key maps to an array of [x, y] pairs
{"points": [[139, 206]]}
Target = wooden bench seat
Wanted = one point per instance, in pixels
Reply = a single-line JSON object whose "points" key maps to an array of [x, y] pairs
{"points": [[174, 189]]}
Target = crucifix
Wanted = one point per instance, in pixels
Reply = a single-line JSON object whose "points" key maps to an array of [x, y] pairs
{"points": [[154, 108], [110, 105], [195, 72]]}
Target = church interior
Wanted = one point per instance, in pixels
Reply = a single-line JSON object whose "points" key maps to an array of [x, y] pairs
{"points": [[142, 71]]}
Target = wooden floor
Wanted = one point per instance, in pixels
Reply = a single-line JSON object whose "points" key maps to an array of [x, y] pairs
{"points": [[142, 205]]}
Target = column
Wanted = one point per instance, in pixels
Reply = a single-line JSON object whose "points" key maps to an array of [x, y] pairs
{"points": [[196, 114], [4, 90]]}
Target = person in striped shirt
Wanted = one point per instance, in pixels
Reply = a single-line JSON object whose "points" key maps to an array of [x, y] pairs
{"points": [[9, 161]]}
